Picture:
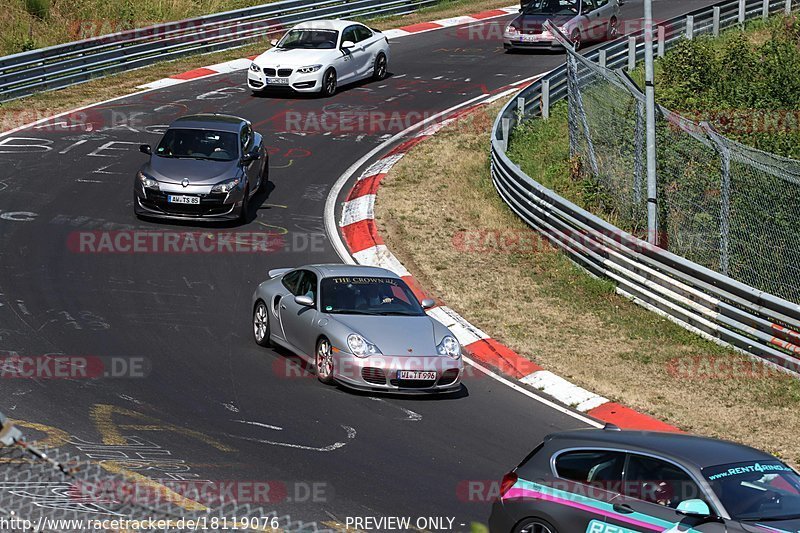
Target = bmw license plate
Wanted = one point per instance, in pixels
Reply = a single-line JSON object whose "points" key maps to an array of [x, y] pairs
{"points": [[277, 81], [416, 374], [532, 38], [191, 200]]}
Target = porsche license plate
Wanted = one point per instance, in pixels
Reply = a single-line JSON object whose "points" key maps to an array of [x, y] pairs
{"points": [[191, 200], [416, 374]]}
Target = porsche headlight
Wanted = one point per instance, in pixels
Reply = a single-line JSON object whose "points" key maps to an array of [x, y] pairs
{"points": [[449, 347], [226, 186], [309, 69], [254, 67], [146, 181], [361, 347]]}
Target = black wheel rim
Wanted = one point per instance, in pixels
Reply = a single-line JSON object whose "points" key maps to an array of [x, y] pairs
{"points": [[535, 527]]}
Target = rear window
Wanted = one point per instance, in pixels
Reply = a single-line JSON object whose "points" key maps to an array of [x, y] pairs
{"points": [[599, 468]]}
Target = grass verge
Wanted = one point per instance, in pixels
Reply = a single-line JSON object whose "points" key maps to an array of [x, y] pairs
{"points": [[533, 299], [25, 110]]}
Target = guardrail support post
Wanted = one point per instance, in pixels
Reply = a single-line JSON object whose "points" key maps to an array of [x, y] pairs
{"points": [[545, 99], [715, 27], [631, 54], [741, 12], [602, 58], [689, 27], [520, 109], [662, 39], [765, 9], [506, 125], [788, 8]]}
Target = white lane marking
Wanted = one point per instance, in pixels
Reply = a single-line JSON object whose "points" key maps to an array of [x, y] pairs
{"points": [[534, 396], [410, 415], [259, 424], [564, 391], [231, 407], [351, 434]]}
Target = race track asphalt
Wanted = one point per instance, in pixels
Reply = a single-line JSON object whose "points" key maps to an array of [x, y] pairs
{"points": [[215, 405]]}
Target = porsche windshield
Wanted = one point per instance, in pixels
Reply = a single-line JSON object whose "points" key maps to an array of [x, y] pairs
{"points": [[552, 7], [199, 144], [368, 296], [320, 39], [757, 491]]}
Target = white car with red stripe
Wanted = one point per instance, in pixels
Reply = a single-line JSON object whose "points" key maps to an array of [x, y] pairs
{"points": [[319, 56]]}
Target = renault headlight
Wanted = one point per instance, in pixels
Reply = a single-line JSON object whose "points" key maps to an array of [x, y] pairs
{"points": [[309, 69], [146, 181], [226, 186], [361, 347], [449, 347]]}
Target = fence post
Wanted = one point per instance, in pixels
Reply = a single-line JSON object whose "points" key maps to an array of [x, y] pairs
{"points": [[506, 125], [765, 9], [725, 196], [520, 109], [690, 27], [631, 54], [662, 38], [741, 11], [602, 58], [788, 8], [545, 102], [715, 30]]}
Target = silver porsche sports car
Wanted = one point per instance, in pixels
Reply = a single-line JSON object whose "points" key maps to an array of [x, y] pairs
{"points": [[359, 326]]}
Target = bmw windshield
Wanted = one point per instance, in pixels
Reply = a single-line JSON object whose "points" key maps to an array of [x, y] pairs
{"points": [[757, 491], [552, 7], [319, 39], [354, 295], [199, 144]]}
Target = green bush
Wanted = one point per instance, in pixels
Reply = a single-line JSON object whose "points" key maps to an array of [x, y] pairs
{"points": [[747, 87]]}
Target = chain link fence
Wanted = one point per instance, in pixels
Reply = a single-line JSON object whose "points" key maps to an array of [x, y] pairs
{"points": [[723, 205], [55, 491]]}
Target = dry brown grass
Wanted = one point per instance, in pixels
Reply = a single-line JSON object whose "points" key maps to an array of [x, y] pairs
{"points": [[545, 308]]}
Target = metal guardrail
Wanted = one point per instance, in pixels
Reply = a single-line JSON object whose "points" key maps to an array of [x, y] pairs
{"points": [[81, 61], [703, 301]]}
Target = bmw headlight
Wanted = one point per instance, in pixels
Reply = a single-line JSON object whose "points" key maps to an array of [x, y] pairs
{"points": [[309, 69], [226, 186], [146, 181], [361, 347], [254, 67], [449, 347]]}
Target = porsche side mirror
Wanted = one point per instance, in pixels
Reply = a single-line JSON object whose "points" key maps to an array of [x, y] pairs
{"points": [[145, 149], [251, 156], [305, 301], [427, 303]]}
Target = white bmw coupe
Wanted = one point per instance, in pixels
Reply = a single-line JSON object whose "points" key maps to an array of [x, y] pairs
{"points": [[320, 55]]}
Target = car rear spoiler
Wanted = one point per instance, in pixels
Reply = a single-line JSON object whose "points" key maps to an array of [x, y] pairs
{"points": [[274, 273]]}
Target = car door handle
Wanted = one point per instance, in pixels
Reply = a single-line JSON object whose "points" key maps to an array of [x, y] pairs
{"points": [[283, 306], [623, 508]]}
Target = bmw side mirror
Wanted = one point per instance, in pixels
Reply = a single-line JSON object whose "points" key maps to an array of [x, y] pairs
{"points": [[145, 149], [305, 301], [427, 303], [695, 508], [346, 45]]}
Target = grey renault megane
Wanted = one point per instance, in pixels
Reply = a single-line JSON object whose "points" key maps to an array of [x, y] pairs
{"points": [[206, 167]]}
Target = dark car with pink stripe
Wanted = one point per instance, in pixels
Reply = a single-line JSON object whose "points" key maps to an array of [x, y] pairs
{"points": [[613, 481]]}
